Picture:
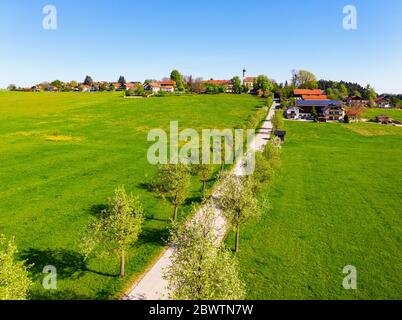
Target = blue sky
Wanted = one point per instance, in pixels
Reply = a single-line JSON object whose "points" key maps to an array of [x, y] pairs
{"points": [[210, 39]]}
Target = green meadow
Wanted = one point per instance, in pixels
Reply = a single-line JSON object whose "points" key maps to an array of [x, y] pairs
{"points": [[337, 201], [63, 154], [393, 113]]}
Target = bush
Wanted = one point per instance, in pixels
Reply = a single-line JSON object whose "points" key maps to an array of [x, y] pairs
{"points": [[277, 120]]}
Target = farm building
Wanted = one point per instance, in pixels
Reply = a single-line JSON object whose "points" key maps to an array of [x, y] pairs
{"points": [[327, 110], [308, 94]]}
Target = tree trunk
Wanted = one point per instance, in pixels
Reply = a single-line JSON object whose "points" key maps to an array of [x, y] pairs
{"points": [[122, 267], [203, 185], [237, 239], [175, 213]]}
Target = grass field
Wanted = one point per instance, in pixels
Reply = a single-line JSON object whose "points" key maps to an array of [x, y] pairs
{"points": [[63, 154], [393, 113], [337, 202]]}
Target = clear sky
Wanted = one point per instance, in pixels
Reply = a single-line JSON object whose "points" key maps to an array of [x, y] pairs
{"points": [[210, 39]]}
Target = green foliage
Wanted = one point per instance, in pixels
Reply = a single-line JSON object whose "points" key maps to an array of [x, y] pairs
{"points": [[314, 114], [263, 83], [213, 88], [237, 85], [12, 87], [173, 181], [277, 120], [304, 79], [14, 277], [204, 172], [117, 229], [201, 269], [88, 81], [121, 80], [137, 91], [369, 93], [178, 78], [238, 202], [57, 83]]}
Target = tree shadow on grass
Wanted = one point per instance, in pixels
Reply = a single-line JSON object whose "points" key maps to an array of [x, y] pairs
{"points": [[69, 264], [97, 210], [153, 236], [148, 186], [58, 295]]}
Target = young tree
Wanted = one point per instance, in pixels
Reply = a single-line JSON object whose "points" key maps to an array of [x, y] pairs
{"points": [[14, 276], [88, 81], [173, 181], [117, 229], [237, 85], [203, 171], [12, 87], [238, 202], [201, 269]]}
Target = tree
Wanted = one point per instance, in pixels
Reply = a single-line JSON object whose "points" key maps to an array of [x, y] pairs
{"points": [[14, 277], [238, 202], [343, 91], [178, 78], [304, 79], [237, 86], [173, 181], [203, 171], [117, 229], [121, 80], [263, 83], [12, 87], [369, 93], [314, 114], [201, 269], [57, 83], [268, 162], [198, 86], [88, 81], [104, 86]]}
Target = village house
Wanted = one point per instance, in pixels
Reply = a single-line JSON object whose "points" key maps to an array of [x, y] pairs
{"points": [[383, 103], [167, 86], [52, 89], [249, 82], [35, 89], [327, 110], [86, 88], [356, 101], [153, 86]]}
